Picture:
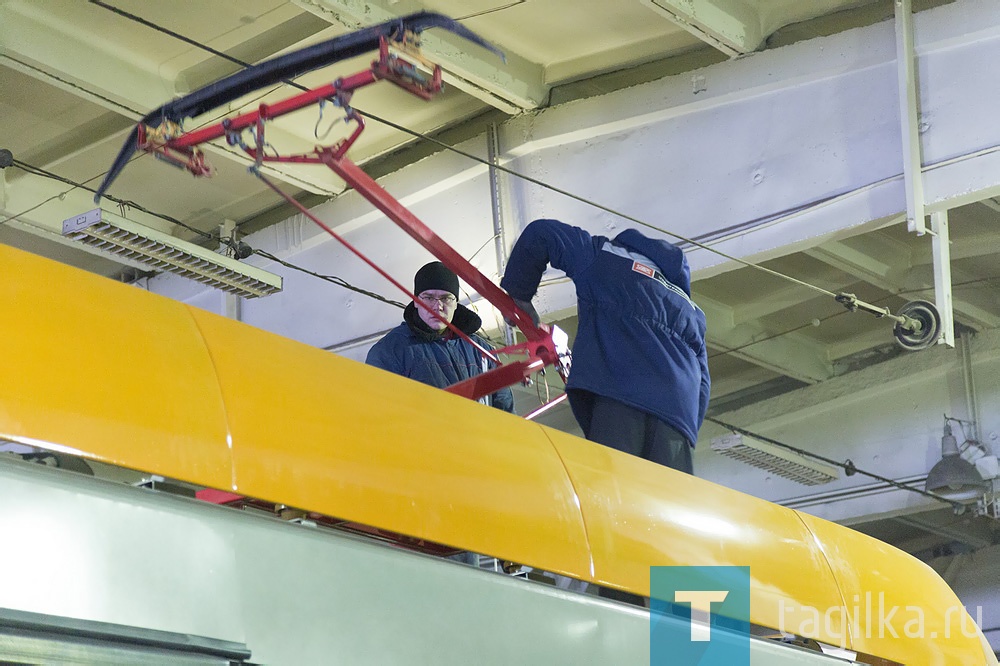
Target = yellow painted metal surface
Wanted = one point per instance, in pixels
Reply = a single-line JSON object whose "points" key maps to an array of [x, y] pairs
{"points": [[894, 603], [108, 370], [121, 376], [640, 515], [317, 431]]}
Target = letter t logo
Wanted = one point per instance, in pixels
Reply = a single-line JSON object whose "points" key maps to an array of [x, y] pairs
{"points": [[701, 606]]}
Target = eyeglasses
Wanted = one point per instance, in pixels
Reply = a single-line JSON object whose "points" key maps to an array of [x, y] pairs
{"points": [[447, 300]]}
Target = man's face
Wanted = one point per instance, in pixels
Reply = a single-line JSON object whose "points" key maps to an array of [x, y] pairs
{"points": [[441, 302]]}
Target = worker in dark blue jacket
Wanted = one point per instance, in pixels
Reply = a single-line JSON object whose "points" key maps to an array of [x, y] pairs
{"points": [[639, 381], [425, 349]]}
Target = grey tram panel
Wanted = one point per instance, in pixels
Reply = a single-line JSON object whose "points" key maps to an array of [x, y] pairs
{"points": [[292, 594]]}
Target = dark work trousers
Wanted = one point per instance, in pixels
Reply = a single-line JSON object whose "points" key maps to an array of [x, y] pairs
{"points": [[630, 430]]}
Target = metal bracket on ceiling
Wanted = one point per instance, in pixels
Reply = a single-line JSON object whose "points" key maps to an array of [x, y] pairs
{"points": [[496, 206], [909, 118], [910, 126], [6, 160], [941, 249]]}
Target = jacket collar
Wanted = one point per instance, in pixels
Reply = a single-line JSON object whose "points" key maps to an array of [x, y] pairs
{"points": [[464, 319], [667, 256]]}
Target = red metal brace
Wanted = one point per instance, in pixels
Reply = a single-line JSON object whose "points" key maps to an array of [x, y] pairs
{"points": [[538, 347]]}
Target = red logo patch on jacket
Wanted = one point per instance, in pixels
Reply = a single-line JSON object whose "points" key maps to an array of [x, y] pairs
{"points": [[643, 268]]}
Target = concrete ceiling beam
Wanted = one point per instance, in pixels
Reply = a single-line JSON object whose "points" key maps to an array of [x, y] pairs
{"points": [[992, 204], [974, 307], [733, 383], [512, 87], [861, 342], [45, 203], [731, 26], [772, 302], [842, 392], [891, 268], [38, 205], [38, 40], [974, 538], [885, 417], [861, 263], [839, 170], [791, 355]]}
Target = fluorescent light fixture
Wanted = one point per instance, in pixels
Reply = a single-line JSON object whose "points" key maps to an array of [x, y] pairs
{"points": [[163, 252], [774, 459]]}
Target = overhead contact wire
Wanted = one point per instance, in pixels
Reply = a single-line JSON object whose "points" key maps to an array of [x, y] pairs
{"points": [[360, 255], [478, 159], [24, 166], [340, 282], [848, 467]]}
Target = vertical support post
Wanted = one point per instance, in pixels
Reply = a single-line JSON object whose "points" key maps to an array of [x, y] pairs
{"points": [[906, 72], [232, 305], [971, 398], [496, 206], [6, 160], [941, 248]]}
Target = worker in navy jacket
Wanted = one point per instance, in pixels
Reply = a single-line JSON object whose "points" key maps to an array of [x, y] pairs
{"points": [[639, 381], [425, 349]]}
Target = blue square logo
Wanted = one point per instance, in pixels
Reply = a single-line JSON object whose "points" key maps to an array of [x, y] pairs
{"points": [[699, 616]]}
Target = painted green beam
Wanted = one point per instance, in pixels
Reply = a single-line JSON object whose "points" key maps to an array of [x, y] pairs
{"points": [[58, 44], [731, 26], [512, 87], [792, 355]]}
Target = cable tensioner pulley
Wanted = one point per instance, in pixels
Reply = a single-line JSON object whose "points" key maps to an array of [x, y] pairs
{"points": [[918, 323]]}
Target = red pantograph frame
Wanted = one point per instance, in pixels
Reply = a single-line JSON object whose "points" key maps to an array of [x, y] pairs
{"points": [[181, 150]]}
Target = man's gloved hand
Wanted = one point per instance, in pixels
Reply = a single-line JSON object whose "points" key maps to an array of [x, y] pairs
{"points": [[528, 308]]}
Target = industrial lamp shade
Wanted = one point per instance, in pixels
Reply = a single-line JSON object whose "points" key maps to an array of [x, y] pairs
{"points": [[954, 477]]}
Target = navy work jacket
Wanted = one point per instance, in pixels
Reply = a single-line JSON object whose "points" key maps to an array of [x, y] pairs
{"points": [[413, 350], [640, 338]]}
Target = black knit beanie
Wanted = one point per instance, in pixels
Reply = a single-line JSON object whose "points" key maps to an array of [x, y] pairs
{"points": [[435, 275]]}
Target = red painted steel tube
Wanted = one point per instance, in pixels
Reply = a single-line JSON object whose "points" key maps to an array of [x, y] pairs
{"points": [[305, 211], [493, 380], [420, 232], [539, 346], [267, 111]]}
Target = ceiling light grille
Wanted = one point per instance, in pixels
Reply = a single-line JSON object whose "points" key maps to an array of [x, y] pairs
{"points": [[163, 252], [774, 459]]}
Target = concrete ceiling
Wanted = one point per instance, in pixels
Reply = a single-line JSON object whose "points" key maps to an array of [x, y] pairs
{"points": [[75, 76]]}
